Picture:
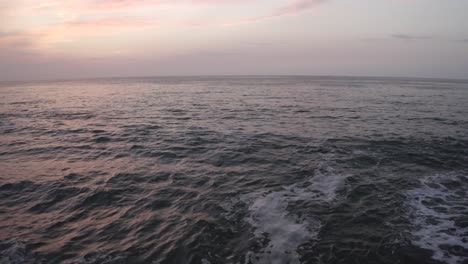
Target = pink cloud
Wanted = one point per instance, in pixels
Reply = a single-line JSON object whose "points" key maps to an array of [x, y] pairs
{"points": [[13, 39], [42, 39], [109, 23], [292, 8], [77, 30], [121, 4]]}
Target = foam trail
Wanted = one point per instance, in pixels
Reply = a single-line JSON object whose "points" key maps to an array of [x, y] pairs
{"points": [[437, 205], [285, 232]]}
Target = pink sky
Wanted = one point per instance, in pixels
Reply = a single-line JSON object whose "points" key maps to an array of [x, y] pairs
{"points": [[43, 39]]}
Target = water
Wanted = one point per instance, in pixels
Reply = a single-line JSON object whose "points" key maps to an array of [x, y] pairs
{"points": [[234, 170]]}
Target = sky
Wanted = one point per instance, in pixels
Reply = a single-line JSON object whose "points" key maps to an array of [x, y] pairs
{"points": [[61, 39]]}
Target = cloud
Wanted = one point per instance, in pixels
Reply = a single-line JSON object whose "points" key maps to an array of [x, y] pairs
{"points": [[125, 4], [108, 24], [18, 47], [121, 4], [4, 35], [43, 40], [410, 37], [76, 29], [297, 6], [219, 53], [16, 40], [292, 8], [73, 9]]}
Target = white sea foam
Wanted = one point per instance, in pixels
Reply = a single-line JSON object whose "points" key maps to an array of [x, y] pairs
{"points": [[284, 231], [205, 261], [436, 204]]}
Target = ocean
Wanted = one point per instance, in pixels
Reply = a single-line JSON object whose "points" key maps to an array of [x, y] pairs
{"points": [[234, 170]]}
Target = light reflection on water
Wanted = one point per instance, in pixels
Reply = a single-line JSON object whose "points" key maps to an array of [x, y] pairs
{"points": [[221, 170]]}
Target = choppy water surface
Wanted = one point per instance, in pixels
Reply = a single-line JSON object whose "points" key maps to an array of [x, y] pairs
{"points": [[234, 170]]}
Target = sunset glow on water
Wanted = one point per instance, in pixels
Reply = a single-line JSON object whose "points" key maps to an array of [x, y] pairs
{"points": [[233, 131]]}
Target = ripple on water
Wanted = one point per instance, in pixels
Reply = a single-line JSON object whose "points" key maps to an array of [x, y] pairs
{"points": [[15, 252], [134, 171]]}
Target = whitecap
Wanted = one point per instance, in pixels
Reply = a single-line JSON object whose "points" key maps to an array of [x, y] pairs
{"points": [[436, 205], [282, 230]]}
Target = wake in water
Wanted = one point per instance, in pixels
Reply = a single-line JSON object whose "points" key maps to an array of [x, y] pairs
{"points": [[439, 216], [284, 231]]}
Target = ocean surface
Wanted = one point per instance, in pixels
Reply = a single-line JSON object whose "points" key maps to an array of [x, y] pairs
{"points": [[241, 170]]}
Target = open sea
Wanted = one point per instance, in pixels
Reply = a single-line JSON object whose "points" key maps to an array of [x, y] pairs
{"points": [[247, 170]]}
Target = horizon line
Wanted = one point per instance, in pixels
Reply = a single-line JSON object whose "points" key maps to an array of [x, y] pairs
{"points": [[456, 79]]}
